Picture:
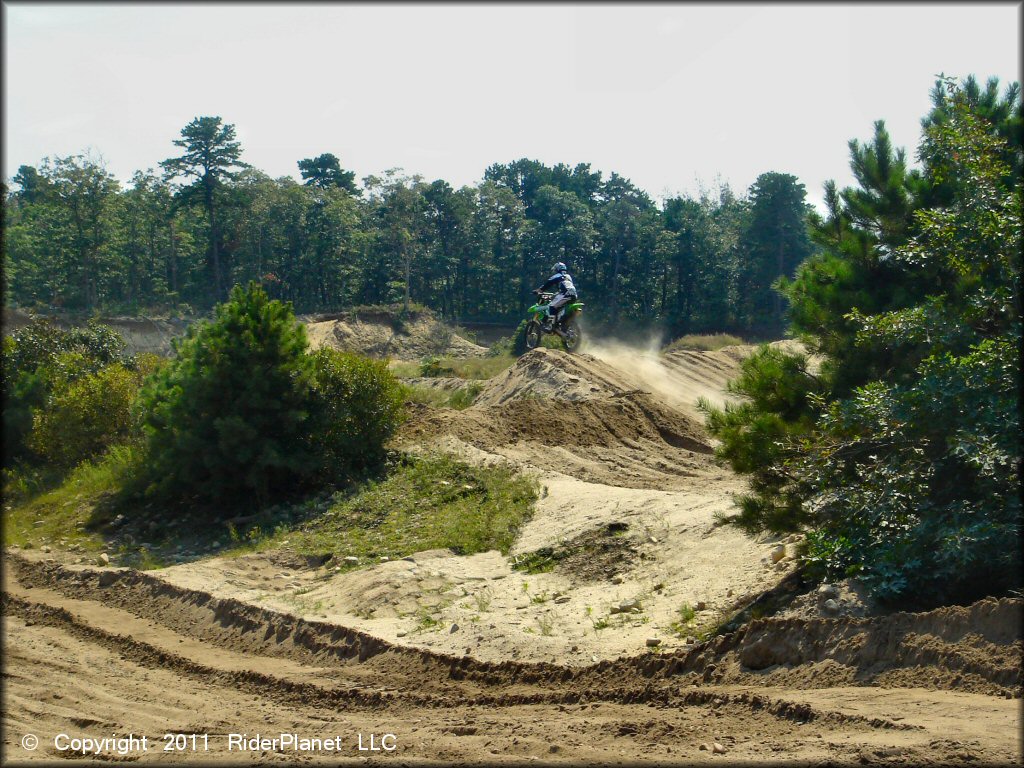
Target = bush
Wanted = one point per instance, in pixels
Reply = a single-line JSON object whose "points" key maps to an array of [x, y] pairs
{"points": [[227, 420], [40, 361], [431, 367], [41, 341], [357, 407], [519, 338], [244, 415], [85, 417], [763, 432]]}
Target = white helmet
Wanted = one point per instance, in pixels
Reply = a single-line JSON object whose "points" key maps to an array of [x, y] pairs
{"points": [[560, 267]]}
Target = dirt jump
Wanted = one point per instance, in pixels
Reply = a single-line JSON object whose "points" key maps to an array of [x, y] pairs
{"points": [[646, 642], [384, 333]]}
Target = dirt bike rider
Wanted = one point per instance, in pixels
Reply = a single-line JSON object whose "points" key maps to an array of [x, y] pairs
{"points": [[566, 292]]}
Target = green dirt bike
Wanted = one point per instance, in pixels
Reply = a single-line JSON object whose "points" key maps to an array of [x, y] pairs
{"points": [[566, 326]]}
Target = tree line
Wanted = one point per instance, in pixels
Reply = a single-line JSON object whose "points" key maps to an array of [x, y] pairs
{"points": [[77, 239]]}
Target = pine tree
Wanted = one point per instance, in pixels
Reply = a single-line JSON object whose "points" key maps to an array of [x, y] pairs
{"points": [[773, 244], [226, 419], [211, 155]]}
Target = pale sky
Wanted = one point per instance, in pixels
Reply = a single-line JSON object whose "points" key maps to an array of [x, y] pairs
{"points": [[671, 96]]}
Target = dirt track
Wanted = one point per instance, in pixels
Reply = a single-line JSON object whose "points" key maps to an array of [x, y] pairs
{"points": [[139, 655], [271, 644]]}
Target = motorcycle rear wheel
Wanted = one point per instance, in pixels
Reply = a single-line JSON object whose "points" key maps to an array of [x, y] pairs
{"points": [[572, 337], [533, 334]]}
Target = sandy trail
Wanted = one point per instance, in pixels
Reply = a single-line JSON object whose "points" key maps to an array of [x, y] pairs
{"points": [[628, 482], [138, 656]]}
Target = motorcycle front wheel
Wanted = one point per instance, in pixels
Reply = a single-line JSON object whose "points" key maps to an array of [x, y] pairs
{"points": [[572, 336], [533, 333]]}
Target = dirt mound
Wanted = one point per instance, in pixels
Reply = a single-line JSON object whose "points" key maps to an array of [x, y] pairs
{"points": [[548, 373], [630, 440], [383, 334], [976, 648], [677, 378], [606, 421], [579, 416]]}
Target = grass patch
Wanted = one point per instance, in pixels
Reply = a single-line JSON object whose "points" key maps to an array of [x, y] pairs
{"points": [[439, 398], [464, 397], [431, 396], [546, 622], [704, 343], [684, 625], [63, 516], [428, 502], [425, 502], [472, 368], [481, 367], [404, 369], [542, 560]]}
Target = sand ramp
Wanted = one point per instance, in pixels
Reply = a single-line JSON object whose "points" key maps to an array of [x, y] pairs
{"points": [[384, 334], [580, 416]]}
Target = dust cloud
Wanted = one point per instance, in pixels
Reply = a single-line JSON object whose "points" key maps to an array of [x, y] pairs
{"points": [[640, 360]]}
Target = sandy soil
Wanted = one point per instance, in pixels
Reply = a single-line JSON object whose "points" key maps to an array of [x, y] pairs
{"points": [[380, 335], [586, 663], [94, 653]]}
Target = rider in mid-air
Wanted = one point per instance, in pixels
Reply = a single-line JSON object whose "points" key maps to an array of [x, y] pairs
{"points": [[566, 292]]}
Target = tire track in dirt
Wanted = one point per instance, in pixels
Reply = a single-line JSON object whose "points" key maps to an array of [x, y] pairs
{"points": [[977, 647], [303, 694], [277, 669]]}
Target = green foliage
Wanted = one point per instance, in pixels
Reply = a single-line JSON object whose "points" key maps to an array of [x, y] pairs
{"points": [[542, 560], [67, 511], [227, 420], [929, 464], [762, 434], [423, 502], [244, 415], [431, 367], [903, 456], [774, 242], [85, 417], [464, 396], [424, 395], [40, 362], [73, 237], [357, 405], [519, 338], [478, 368], [325, 172], [436, 397], [211, 157], [40, 342]]}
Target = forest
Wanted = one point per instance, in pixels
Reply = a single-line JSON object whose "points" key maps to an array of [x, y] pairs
{"points": [[177, 240]]}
